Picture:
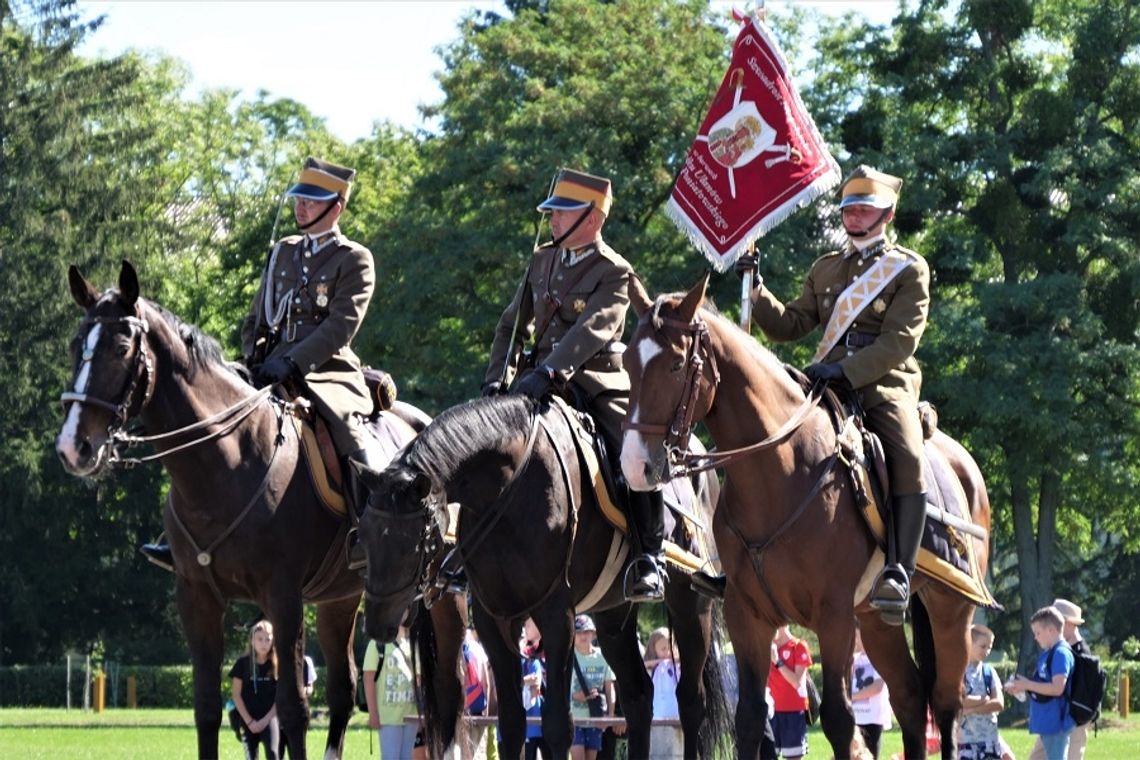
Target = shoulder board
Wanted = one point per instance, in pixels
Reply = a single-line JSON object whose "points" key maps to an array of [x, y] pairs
{"points": [[613, 255], [544, 248], [913, 255]]}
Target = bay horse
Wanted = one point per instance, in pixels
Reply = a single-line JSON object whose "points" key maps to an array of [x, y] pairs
{"points": [[239, 488], [791, 540], [533, 542]]}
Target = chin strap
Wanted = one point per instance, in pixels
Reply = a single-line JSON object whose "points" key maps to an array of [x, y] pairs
{"points": [[866, 230], [325, 213], [577, 223]]}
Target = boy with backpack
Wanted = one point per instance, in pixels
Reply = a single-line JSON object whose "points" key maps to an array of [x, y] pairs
{"points": [[978, 730], [1086, 688], [1048, 689]]}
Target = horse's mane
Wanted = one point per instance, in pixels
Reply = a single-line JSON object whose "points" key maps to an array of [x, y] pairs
{"points": [[204, 350], [462, 431], [712, 314]]}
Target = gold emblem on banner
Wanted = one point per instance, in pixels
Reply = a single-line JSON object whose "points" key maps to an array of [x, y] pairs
{"points": [[322, 298]]}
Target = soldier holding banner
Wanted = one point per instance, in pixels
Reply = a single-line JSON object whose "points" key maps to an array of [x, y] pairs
{"points": [[872, 298], [572, 305]]}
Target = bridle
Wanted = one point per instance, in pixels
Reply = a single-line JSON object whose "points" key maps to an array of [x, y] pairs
{"points": [[130, 406], [144, 366], [682, 461]]}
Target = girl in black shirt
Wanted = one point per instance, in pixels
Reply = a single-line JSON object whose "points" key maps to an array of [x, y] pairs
{"points": [[254, 687]]}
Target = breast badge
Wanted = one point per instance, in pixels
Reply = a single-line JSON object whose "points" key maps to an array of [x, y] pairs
{"points": [[322, 299], [879, 306], [579, 305]]}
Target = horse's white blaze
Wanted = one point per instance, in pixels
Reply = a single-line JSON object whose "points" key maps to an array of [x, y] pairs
{"points": [[66, 443], [634, 452]]}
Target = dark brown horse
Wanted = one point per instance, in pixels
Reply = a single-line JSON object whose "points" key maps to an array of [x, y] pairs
{"points": [[534, 543], [791, 540], [243, 520]]}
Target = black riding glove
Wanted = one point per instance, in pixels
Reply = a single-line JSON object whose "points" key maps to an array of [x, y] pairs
{"points": [[493, 388], [824, 371], [536, 385], [277, 370], [746, 264]]}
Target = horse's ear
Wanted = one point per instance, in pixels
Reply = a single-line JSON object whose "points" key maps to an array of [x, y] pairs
{"points": [[82, 291], [638, 297], [128, 284], [687, 309]]}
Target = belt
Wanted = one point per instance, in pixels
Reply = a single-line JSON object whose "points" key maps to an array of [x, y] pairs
{"points": [[858, 340]]}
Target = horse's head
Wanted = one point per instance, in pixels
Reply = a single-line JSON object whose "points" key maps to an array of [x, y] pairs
{"points": [[114, 371], [672, 381], [402, 529]]}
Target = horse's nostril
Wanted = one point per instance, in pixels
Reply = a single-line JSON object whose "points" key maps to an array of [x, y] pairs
{"points": [[84, 450], [648, 470]]}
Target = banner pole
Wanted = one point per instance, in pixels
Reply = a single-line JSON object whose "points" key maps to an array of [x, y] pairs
{"points": [[746, 283]]}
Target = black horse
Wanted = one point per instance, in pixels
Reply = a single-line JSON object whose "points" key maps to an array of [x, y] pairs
{"points": [[243, 519], [533, 543]]}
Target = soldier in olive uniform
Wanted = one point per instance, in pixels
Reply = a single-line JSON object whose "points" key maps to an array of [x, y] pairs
{"points": [[872, 297], [312, 298], [572, 305]]}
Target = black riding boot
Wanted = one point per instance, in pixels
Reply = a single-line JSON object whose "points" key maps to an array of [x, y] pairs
{"points": [[892, 587], [647, 583], [355, 555], [159, 554], [709, 585]]}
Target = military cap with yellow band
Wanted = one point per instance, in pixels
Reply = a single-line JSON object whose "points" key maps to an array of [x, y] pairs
{"points": [[577, 190], [322, 181], [869, 187]]}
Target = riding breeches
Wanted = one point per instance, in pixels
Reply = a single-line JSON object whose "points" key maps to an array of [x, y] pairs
{"points": [[900, 430]]}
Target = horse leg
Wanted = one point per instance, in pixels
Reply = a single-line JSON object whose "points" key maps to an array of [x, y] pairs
{"points": [[555, 620], [941, 644], [506, 667], [751, 637], [201, 615], [836, 644], [286, 613], [336, 628], [886, 646], [617, 636], [691, 620]]}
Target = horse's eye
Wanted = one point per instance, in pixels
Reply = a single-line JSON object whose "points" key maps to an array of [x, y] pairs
{"points": [[678, 365]]}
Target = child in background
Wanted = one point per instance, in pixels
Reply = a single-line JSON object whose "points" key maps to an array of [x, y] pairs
{"points": [[666, 673], [977, 728], [1048, 690], [870, 700], [254, 689]]}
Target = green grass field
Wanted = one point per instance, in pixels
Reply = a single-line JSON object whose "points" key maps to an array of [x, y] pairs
{"points": [[32, 734]]}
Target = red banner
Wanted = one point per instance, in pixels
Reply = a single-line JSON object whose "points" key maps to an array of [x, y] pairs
{"points": [[758, 156]]}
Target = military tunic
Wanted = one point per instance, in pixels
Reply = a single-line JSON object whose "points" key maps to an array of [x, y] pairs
{"points": [[586, 312], [328, 283], [878, 360]]}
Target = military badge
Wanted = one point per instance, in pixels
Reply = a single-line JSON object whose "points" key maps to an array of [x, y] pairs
{"points": [[579, 306], [879, 306], [322, 298]]}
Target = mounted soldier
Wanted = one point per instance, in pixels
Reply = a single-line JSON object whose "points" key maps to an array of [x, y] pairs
{"points": [[872, 298], [572, 305], [313, 296]]}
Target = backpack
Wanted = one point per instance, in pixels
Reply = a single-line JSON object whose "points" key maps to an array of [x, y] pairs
{"points": [[475, 701], [1087, 684], [988, 678]]}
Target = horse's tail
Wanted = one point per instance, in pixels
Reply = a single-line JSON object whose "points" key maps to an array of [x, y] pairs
{"points": [[437, 691], [924, 656], [718, 729]]}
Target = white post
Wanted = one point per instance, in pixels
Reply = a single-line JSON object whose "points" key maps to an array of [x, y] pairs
{"points": [[87, 684]]}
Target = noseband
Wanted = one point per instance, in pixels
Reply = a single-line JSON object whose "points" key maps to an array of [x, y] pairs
{"points": [[144, 366]]}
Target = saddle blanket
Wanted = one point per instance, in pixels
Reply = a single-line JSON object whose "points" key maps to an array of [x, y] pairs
{"points": [[946, 554]]}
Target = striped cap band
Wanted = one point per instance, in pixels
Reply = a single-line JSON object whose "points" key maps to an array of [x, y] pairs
{"points": [[576, 190]]}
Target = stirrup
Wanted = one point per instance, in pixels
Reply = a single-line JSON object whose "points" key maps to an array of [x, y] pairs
{"points": [[709, 585], [891, 594], [159, 554], [645, 587], [453, 581]]}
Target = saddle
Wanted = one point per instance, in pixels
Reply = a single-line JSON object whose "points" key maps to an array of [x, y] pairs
{"points": [[946, 553], [688, 543]]}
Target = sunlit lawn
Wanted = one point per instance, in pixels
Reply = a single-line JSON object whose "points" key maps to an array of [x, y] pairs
{"points": [[169, 734]]}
